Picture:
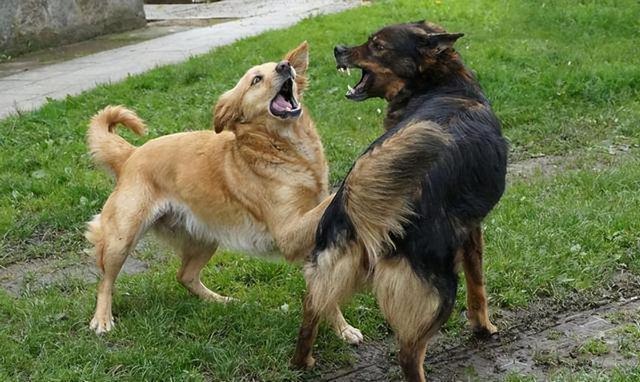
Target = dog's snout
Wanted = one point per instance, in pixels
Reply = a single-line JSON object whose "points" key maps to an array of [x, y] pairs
{"points": [[339, 50], [283, 67]]}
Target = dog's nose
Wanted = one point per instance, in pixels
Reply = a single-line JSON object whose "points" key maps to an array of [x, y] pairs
{"points": [[283, 67], [339, 49]]}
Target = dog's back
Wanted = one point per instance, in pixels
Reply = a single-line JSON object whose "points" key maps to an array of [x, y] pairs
{"points": [[415, 68]]}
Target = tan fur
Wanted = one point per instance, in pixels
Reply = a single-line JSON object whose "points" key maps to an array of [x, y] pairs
{"points": [[94, 235], [377, 201], [409, 304], [411, 307], [255, 186], [335, 277], [108, 149], [237, 106], [477, 310], [378, 194]]}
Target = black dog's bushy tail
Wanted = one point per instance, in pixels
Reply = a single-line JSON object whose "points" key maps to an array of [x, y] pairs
{"points": [[385, 181]]}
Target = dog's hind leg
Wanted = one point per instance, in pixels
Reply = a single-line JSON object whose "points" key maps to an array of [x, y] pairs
{"points": [[477, 311], [330, 281], [412, 307], [195, 256], [303, 357], [114, 234]]}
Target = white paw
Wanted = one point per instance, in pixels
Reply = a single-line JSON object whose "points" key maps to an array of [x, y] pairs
{"points": [[351, 335], [227, 299], [214, 297], [101, 324]]}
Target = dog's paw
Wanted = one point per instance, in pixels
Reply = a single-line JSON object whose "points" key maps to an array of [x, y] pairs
{"points": [[101, 324], [351, 335], [485, 332], [214, 297], [305, 363], [482, 329]]}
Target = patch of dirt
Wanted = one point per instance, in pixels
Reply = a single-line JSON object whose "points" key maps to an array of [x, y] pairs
{"points": [[545, 165], [550, 165], [35, 274], [545, 337]]}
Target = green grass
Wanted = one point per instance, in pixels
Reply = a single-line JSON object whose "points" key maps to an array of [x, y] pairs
{"points": [[520, 51], [564, 77], [594, 346]]}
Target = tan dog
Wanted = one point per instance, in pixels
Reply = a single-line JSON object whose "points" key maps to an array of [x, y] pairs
{"points": [[254, 187]]}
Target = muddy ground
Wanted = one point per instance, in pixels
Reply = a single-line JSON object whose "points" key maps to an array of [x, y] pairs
{"points": [[582, 332], [539, 341]]}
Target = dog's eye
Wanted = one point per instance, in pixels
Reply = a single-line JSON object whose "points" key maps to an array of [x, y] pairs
{"points": [[376, 46], [255, 80]]}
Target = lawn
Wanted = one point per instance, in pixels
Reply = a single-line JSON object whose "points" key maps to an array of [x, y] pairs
{"points": [[564, 77]]}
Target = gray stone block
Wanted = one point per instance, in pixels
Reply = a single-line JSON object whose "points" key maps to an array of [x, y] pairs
{"points": [[27, 25]]}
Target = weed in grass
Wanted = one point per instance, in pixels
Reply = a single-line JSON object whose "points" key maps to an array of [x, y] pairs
{"points": [[516, 377], [594, 346], [547, 358], [554, 334]]}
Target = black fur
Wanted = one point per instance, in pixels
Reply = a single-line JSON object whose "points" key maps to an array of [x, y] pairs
{"points": [[466, 182]]}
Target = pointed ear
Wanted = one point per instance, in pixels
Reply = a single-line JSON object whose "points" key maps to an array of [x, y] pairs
{"points": [[429, 27], [436, 43], [225, 112], [299, 58]]}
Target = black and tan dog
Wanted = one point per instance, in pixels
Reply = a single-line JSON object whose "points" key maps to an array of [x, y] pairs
{"points": [[409, 213]]}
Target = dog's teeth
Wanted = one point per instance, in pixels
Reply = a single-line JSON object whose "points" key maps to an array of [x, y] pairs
{"points": [[350, 90], [348, 72]]}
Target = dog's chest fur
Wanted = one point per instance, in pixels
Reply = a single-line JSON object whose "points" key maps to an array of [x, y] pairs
{"points": [[242, 233], [268, 184]]}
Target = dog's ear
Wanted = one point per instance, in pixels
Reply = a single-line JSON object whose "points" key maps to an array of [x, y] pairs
{"points": [[226, 111], [299, 58], [436, 43], [428, 27]]}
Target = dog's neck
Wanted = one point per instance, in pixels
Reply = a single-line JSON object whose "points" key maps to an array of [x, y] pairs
{"points": [[454, 79], [278, 134]]}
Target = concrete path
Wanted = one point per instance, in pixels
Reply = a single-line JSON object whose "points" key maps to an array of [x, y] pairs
{"points": [[30, 89]]}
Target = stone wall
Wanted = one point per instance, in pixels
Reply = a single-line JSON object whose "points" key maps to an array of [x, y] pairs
{"points": [[27, 25]]}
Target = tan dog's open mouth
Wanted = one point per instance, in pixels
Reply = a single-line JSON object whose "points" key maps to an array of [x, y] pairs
{"points": [[284, 104]]}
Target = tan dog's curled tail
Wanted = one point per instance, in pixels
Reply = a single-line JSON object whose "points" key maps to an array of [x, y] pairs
{"points": [[385, 182], [107, 148]]}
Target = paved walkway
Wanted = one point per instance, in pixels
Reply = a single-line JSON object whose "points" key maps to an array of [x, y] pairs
{"points": [[30, 89]]}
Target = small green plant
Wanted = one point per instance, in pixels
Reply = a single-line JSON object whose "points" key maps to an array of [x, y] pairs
{"points": [[594, 346], [546, 358]]}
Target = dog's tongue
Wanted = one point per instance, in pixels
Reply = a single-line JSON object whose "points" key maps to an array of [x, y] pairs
{"points": [[281, 104]]}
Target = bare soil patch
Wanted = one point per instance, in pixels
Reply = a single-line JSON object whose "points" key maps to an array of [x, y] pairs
{"points": [[537, 341], [34, 274]]}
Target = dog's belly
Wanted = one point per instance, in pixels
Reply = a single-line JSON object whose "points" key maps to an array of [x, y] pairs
{"points": [[243, 234]]}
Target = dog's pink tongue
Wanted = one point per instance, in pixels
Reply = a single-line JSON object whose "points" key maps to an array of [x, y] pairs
{"points": [[281, 104]]}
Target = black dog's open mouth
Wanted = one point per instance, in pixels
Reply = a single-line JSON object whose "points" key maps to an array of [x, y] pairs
{"points": [[284, 104], [358, 92]]}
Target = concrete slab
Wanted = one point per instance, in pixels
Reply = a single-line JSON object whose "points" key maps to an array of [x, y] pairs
{"points": [[30, 89]]}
